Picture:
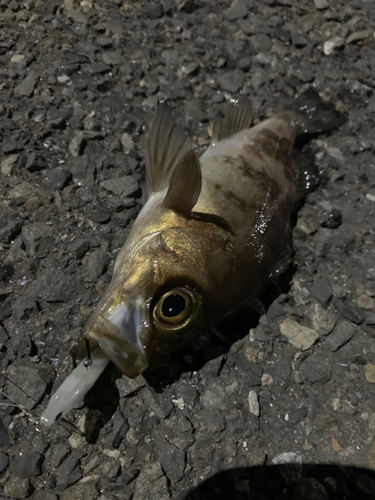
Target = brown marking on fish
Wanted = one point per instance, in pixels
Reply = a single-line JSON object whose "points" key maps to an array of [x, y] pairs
{"points": [[273, 144], [230, 196], [229, 160], [253, 151], [170, 251], [279, 149], [217, 185], [261, 179]]}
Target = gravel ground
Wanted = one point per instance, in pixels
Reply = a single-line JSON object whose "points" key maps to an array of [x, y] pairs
{"points": [[79, 83]]}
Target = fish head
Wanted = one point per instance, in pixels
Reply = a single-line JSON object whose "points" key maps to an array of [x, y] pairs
{"points": [[165, 290]]}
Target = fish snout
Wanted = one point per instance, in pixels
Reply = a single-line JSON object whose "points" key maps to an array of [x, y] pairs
{"points": [[117, 331]]}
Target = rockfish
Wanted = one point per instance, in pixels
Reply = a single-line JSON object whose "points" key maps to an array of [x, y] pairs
{"points": [[212, 233]]}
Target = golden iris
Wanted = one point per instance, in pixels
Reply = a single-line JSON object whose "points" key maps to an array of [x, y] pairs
{"points": [[177, 310]]}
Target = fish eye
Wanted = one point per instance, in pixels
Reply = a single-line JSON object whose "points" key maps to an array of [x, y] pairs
{"points": [[173, 305], [177, 310]]}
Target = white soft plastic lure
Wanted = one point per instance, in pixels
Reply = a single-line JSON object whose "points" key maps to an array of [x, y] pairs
{"points": [[74, 388]]}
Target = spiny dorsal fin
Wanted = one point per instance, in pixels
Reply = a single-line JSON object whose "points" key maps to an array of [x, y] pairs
{"points": [[166, 145], [238, 116], [185, 185]]}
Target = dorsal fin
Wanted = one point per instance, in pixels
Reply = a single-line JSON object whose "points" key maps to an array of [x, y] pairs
{"points": [[238, 116], [185, 185], [166, 145]]}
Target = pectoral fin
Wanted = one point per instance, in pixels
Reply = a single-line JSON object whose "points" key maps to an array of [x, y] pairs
{"points": [[166, 146], [185, 185]]}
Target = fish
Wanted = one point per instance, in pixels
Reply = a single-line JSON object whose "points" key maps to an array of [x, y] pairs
{"points": [[212, 233]]}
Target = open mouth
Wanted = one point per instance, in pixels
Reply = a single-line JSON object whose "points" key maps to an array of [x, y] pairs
{"points": [[117, 334], [131, 361]]}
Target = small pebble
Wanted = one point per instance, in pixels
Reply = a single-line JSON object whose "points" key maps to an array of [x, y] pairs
{"points": [[122, 186], [309, 488], [321, 4], [340, 336], [267, 379], [330, 46], [371, 456], [85, 490], [365, 302], [322, 291], [6, 166], [97, 263], [254, 403], [232, 82], [316, 369], [63, 79], [334, 219], [127, 142], [237, 10], [370, 373], [4, 461], [27, 464], [101, 215], [58, 178], [17, 488], [27, 86]]}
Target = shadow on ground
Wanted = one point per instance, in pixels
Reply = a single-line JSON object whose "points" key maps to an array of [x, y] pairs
{"points": [[103, 399], [287, 482], [217, 341]]}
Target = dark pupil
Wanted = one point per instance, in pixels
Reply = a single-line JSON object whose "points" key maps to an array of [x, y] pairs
{"points": [[173, 305]]}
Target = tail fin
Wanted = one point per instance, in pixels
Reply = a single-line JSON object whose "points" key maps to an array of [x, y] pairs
{"points": [[317, 115]]}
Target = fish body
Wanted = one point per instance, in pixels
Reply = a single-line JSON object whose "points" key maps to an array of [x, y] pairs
{"points": [[212, 232]]}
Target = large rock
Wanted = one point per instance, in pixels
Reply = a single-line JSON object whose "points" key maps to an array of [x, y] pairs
{"points": [[299, 336], [172, 459], [28, 382], [84, 490], [123, 186], [27, 464], [27, 86], [231, 81], [151, 484], [316, 369], [56, 286]]}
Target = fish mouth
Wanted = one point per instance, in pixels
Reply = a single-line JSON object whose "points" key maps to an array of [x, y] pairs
{"points": [[117, 332]]}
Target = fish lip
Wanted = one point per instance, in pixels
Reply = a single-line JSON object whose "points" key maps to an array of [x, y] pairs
{"points": [[117, 331], [130, 362]]}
